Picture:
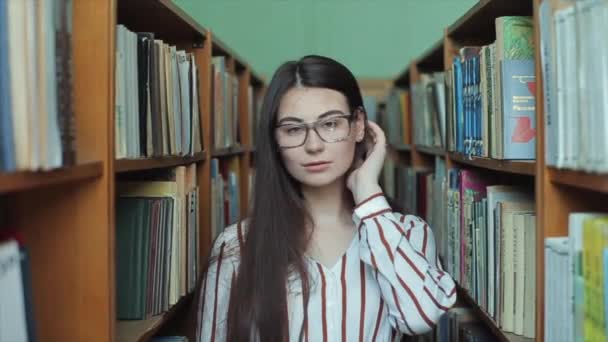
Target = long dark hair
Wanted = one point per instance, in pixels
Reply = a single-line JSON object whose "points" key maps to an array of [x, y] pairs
{"points": [[276, 229]]}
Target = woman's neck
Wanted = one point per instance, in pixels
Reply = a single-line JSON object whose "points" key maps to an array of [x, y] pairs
{"points": [[330, 204]]}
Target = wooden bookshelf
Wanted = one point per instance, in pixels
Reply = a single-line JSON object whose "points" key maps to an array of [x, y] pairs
{"points": [[143, 330], [557, 192], [228, 151], [28, 180], [509, 166], [403, 79], [579, 179], [401, 147], [129, 165], [431, 150], [67, 217], [478, 22]]}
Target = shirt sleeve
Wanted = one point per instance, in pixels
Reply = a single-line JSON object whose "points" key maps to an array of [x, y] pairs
{"points": [[215, 294], [401, 248]]}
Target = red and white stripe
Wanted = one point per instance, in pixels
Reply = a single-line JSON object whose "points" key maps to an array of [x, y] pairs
{"points": [[388, 282]]}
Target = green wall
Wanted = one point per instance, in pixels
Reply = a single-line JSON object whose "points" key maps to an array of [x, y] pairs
{"points": [[374, 38]]}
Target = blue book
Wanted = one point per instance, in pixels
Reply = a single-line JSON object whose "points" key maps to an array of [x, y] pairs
{"points": [[467, 103], [518, 101], [7, 146], [458, 89], [478, 140]]}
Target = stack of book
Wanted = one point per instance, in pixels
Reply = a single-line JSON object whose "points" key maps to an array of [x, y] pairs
{"points": [[157, 98], [37, 129], [429, 110], [491, 95], [225, 105], [225, 194], [157, 234], [575, 84], [576, 275]]}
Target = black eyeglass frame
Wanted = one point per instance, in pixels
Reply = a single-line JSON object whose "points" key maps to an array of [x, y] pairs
{"points": [[313, 126]]}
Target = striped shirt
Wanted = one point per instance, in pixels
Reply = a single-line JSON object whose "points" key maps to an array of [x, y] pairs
{"points": [[388, 282]]}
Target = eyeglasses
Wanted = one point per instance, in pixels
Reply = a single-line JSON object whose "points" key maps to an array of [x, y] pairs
{"points": [[332, 129]]}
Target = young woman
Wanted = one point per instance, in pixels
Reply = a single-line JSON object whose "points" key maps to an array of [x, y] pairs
{"points": [[322, 256]]}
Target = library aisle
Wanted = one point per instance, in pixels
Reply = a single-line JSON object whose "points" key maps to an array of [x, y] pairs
{"points": [[127, 145]]}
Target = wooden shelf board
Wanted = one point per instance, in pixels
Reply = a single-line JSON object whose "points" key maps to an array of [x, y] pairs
{"points": [[228, 151], [521, 167], [431, 59], [432, 150], [143, 330], [488, 321], [478, 22], [403, 78], [27, 180], [128, 165], [144, 16], [401, 147], [579, 179]]}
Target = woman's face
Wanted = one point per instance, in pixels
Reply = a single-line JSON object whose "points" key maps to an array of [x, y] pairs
{"points": [[320, 157]]}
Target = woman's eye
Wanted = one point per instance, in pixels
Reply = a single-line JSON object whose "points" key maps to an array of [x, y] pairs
{"points": [[294, 130], [330, 124]]}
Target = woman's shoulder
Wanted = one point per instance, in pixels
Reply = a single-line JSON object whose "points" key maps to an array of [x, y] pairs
{"points": [[230, 241]]}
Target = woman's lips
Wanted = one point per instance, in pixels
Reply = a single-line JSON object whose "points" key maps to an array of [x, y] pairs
{"points": [[317, 166]]}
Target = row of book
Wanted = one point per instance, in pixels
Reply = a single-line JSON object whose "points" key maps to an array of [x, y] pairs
{"points": [[157, 109], [157, 234], [492, 94], [36, 107], [225, 194], [458, 324], [485, 234], [394, 119], [576, 279], [429, 109], [225, 84], [575, 83], [484, 104], [16, 308]]}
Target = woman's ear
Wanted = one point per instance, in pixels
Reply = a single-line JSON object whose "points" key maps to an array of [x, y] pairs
{"points": [[360, 124]]}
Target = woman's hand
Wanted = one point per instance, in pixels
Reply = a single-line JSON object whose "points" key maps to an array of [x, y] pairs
{"points": [[363, 180]]}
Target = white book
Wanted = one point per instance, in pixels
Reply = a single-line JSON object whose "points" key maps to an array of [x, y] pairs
{"points": [[52, 148], [601, 142], [556, 256], [19, 91], [177, 99], [136, 132], [119, 110], [519, 230], [561, 23], [33, 118], [508, 211], [529, 314], [185, 110], [495, 194], [13, 324], [196, 122]]}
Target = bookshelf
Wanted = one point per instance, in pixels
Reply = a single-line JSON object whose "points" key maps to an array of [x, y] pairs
{"points": [[66, 216], [557, 192]]}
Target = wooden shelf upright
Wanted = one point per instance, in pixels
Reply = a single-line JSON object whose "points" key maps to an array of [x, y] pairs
{"points": [[66, 216]]}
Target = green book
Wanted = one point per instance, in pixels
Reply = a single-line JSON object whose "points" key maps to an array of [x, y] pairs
{"points": [[514, 37]]}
